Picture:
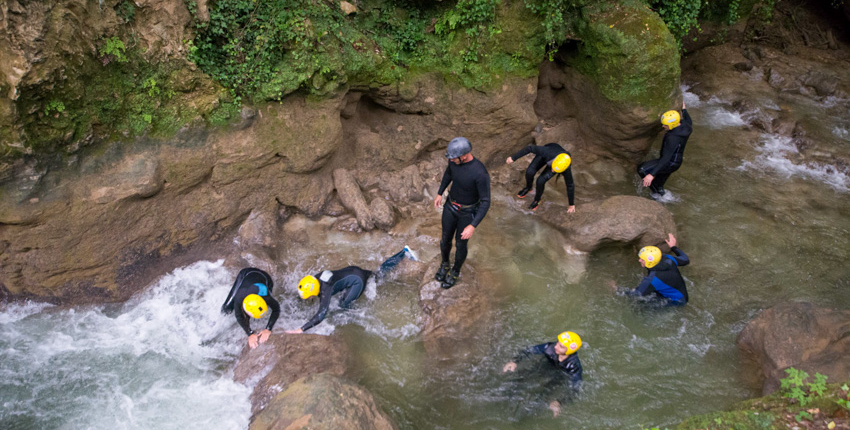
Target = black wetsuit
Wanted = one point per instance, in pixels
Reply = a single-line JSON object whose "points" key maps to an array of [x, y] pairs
{"points": [[571, 366], [468, 202], [665, 280], [251, 281], [672, 153], [543, 156], [351, 281]]}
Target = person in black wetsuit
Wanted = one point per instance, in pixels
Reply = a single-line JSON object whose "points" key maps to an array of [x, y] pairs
{"points": [[468, 202], [562, 354], [663, 282], [350, 281], [656, 172], [252, 292], [556, 160]]}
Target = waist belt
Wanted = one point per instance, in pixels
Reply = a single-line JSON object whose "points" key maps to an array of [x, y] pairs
{"points": [[463, 207]]}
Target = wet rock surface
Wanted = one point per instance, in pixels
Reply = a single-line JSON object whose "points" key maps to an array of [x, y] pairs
{"points": [[625, 219], [452, 318], [322, 402], [285, 358], [802, 336]]}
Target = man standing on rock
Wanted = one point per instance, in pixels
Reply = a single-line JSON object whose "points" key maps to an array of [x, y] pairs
{"points": [[656, 172], [252, 290], [556, 160], [663, 280], [468, 202]]}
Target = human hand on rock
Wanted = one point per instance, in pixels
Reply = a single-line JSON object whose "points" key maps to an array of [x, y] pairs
{"points": [[509, 160], [683, 104], [671, 241], [647, 180], [509, 367], [438, 200], [264, 335], [253, 340], [571, 209], [467, 232], [295, 331], [555, 407]]}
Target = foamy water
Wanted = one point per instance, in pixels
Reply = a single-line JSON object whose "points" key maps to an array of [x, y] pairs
{"points": [[778, 153], [158, 361]]}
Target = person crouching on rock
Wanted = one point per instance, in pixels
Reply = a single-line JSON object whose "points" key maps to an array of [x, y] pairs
{"points": [[468, 202], [554, 159], [663, 282], [252, 292], [349, 281], [656, 172], [563, 354]]}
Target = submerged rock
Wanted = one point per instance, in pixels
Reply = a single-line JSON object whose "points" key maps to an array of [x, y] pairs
{"points": [[802, 336], [285, 358], [322, 402], [627, 219]]}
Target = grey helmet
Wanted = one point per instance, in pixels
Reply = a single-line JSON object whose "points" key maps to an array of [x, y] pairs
{"points": [[457, 147]]}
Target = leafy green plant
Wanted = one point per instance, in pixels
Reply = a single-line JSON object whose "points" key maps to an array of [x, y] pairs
{"points": [[679, 15], [150, 85], [126, 9], [803, 415], [794, 386], [559, 17], [115, 48], [54, 106]]}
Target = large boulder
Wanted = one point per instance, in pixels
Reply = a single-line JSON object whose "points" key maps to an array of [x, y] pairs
{"points": [[322, 402], [285, 358], [451, 319], [802, 336], [627, 219]]}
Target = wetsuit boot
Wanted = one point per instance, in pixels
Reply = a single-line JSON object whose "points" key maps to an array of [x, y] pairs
{"points": [[533, 206], [523, 192], [441, 274], [451, 278]]}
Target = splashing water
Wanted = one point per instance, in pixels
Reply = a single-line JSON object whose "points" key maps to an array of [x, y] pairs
{"points": [[158, 361]]}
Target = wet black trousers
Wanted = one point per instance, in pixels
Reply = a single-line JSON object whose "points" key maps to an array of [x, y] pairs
{"points": [[660, 178], [454, 221], [539, 162]]}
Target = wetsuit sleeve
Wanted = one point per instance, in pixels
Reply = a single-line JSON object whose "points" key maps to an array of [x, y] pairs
{"points": [[242, 319], [571, 186], [275, 307], [531, 350], [447, 179], [483, 184], [643, 288], [667, 151], [524, 151], [324, 305], [686, 118], [681, 258]]}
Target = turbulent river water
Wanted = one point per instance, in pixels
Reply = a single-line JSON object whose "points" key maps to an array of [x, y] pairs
{"points": [[759, 226]]}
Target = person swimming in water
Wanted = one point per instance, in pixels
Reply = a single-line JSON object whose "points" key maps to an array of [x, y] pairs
{"points": [[662, 281], [349, 281], [562, 354]]}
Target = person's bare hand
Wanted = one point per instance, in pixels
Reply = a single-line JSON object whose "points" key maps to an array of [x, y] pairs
{"points": [[295, 331], [437, 201], [613, 285], [509, 367], [253, 340], [467, 232], [671, 241], [555, 407], [683, 105], [571, 209], [264, 335], [647, 180], [509, 160]]}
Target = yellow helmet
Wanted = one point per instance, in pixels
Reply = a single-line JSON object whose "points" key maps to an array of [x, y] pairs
{"points": [[671, 119], [650, 255], [561, 163], [308, 287], [254, 305], [570, 340]]}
